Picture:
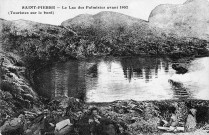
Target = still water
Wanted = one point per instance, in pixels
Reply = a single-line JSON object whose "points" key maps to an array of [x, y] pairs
{"points": [[109, 79]]}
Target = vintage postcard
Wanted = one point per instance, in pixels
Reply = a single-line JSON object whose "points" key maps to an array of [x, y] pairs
{"points": [[104, 67]]}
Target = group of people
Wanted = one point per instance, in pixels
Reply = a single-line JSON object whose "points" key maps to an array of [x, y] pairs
{"points": [[89, 123], [95, 124]]}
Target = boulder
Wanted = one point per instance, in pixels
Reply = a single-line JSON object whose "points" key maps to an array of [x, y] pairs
{"points": [[180, 69], [63, 127], [13, 126]]}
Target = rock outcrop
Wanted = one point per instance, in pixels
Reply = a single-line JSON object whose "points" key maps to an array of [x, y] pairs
{"points": [[16, 92], [180, 68]]}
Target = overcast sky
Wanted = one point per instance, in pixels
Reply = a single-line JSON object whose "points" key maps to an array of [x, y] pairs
{"points": [[136, 8]]}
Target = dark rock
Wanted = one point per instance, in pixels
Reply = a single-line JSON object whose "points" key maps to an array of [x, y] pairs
{"points": [[179, 69], [176, 84]]}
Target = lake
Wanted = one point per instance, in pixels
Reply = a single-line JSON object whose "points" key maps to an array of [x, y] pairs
{"points": [[110, 79]]}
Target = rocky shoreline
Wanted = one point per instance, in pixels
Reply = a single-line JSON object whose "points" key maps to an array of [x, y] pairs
{"points": [[16, 92], [137, 117]]}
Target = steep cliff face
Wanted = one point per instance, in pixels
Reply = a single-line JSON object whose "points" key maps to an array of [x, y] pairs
{"points": [[190, 19]]}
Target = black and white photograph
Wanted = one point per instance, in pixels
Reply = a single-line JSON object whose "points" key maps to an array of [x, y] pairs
{"points": [[104, 67]]}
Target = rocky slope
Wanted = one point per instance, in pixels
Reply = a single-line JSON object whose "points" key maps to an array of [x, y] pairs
{"points": [[16, 92], [190, 19], [23, 46]]}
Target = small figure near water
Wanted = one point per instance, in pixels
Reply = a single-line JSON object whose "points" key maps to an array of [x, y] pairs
{"points": [[99, 125], [47, 126], [94, 121], [173, 122], [191, 120], [173, 119]]}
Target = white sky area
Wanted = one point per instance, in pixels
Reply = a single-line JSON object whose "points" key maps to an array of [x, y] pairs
{"points": [[136, 8]]}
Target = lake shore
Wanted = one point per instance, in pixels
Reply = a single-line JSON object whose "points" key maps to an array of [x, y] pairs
{"points": [[139, 116]]}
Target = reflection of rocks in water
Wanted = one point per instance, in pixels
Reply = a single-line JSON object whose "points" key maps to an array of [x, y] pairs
{"points": [[63, 79], [136, 66], [180, 69], [166, 66], [179, 90], [148, 74], [131, 68], [92, 71], [138, 71]]}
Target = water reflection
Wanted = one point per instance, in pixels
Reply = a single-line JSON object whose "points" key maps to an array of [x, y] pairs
{"points": [[135, 67], [106, 80]]}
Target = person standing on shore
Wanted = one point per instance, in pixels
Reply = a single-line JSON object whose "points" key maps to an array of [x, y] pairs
{"points": [[94, 121], [191, 120]]}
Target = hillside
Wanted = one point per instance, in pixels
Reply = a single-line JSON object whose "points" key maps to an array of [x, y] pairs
{"points": [[190, 19], [118, 34], [35, 41], [104, 21]]}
